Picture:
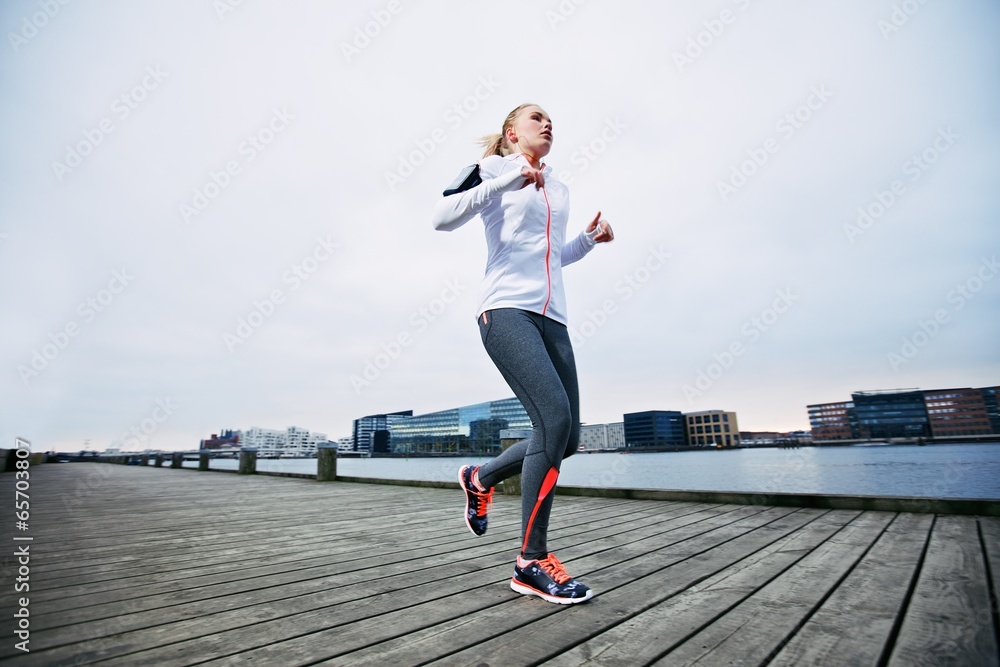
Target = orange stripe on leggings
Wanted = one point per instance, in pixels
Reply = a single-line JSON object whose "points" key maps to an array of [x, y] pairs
{"points": [[547, 484]]}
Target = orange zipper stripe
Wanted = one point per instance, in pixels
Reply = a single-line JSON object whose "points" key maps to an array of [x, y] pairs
{"points": [[548, 250]]}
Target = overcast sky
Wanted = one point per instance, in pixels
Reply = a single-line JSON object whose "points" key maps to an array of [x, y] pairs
{"points": [[218, 214]]}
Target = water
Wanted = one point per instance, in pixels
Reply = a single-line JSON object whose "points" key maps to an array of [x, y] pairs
{"points": [[937, 471]]}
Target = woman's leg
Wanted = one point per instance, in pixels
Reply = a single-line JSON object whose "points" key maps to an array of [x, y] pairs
{"points": [[534, 355]]}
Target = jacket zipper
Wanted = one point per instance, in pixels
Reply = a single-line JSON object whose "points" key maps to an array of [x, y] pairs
{"points": [[548, 250]]}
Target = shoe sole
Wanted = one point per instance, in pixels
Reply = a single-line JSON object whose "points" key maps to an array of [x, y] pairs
{"points": [[524, 589], [461, 485]]}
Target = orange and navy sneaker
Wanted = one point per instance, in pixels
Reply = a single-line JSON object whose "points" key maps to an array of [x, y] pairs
{"points": [[477, 503], [547, 578]]}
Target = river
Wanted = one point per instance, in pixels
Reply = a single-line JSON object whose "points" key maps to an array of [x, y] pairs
{"points": [[937, 471]]}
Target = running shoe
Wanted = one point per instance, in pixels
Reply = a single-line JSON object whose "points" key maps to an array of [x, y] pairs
{"points": [[477, 503], [547, 578]]}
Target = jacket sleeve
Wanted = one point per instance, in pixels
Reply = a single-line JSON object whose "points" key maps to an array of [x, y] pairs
{"points": [[455, 210], [577, 248]]}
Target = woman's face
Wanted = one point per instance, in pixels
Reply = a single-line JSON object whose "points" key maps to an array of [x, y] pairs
{"points": [[531, 132]]}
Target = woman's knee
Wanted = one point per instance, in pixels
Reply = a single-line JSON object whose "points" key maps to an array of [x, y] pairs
{"points": [[573, 444]]}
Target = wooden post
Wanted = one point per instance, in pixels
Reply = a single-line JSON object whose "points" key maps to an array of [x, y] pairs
{"points": [[145, 459], [326, 463], [158, 461], [10, 460], [202, 460], [177, 460], [508, 437], [248, 460]]}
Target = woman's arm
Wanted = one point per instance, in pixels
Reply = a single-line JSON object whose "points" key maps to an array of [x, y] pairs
{"points": [[575, 250], [453, 211], [598, 231]]}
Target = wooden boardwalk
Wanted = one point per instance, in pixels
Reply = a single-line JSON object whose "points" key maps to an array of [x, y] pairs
{"points": [[151, 566]]}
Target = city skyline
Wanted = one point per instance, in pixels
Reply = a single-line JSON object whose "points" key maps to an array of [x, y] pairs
{"points": [[221, 214]]}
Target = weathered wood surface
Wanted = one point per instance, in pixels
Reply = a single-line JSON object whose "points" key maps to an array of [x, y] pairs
{"points": [[136, 565]]}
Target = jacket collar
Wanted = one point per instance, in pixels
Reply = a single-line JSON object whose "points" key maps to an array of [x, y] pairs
{"points": [[523, 161]]}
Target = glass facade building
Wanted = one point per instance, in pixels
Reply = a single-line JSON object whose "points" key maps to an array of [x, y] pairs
{"points": [[473, 429], [891, 414], [992, 407], [654, 428], [371, 433], [908, 413]]}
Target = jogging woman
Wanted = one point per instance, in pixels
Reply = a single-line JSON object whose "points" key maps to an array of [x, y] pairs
{"points": [[522, 322]]}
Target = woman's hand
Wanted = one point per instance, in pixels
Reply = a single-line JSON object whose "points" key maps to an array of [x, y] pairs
{"points": [[605, 234], [532, 175]]}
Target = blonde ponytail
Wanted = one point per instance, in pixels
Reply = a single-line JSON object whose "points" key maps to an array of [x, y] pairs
{"points": [[493, 144]]}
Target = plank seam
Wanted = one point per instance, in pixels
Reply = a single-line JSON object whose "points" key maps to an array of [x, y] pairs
{"points": [[826, 596], [890, 642], [994, 600], [709, 622], [651, 573]]}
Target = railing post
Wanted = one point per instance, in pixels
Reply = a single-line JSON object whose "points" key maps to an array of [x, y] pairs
{"points": [[508, 437], [202, 460], [326, 463], [177, 460], [248, 460]]}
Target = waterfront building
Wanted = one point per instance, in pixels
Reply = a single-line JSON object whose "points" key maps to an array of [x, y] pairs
{"points": [[371, 433], [834, 421], [223, 440], [893, 413], [267, 441], [957, 412], [908, 413], [654, 428], [712, 428], [345, 445], [992, 409], [294, 441], [616, 435], [602, 437], [473, 429], [594, 437]]}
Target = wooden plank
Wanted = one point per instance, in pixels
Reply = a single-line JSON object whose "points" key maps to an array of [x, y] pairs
{"points": [[646, 635], [158, 596], [446, 524], [949, 620], [365, 595], [750, 632], [627, 643], [224, 594], [525, 630], [989, 530], [264, 572], [320, 633], [855, 623]]}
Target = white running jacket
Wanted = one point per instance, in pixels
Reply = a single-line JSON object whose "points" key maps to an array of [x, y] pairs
{"points": [[525, 236]]}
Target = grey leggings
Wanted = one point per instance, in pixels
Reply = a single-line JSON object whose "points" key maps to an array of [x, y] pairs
{"points": [[535, 357]]}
